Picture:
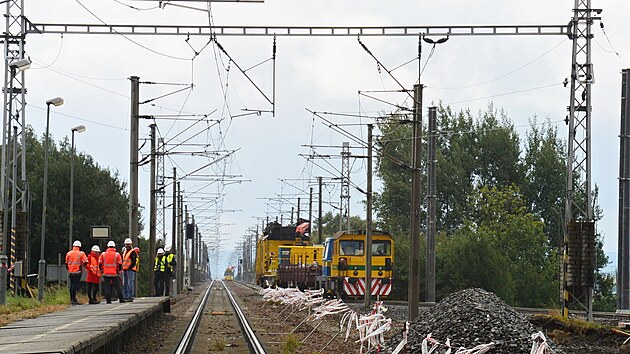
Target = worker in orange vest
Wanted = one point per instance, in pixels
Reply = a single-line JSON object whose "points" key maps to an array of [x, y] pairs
{"points": [[130, 261], [94, 274], [111, 265], [75, 261]]}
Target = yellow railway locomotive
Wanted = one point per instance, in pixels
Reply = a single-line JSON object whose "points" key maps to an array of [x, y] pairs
{"points": [[285, 257], [268, 248], [229, 273], [344, 259]]}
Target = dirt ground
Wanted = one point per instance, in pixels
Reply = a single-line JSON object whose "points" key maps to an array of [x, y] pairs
{"points": [[578, 337]]}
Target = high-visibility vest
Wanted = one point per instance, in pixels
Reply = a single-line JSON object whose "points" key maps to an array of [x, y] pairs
{"points": [[160, 264], [110, 260], [126, 262], [74, 260], [169, 262], [93, 265]]}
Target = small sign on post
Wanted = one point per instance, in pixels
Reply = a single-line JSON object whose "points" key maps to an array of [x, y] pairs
{"points": [[99, 232]]}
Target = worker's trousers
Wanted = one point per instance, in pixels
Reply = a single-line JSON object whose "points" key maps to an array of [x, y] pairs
{"points": [[75, 280], [129, 277]]}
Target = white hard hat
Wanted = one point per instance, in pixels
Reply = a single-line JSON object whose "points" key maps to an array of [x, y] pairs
{"points": [[111, 244], [167, 248], [77, 243], [160, 251], [95, 248], [128, 241]]}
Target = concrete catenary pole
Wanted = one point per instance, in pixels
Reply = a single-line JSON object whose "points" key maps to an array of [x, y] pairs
{"points": [[193, 247], [174, 220], [623, 261], [414, 252], [153, 201], [174, 228], [180, 239], [310, 208], [188, 244], [368, 223], [133, 161], [431, 208], [320, 239], [416, 200]]}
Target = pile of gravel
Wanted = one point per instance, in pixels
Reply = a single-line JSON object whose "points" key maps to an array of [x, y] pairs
{"points": [[469, 318]]}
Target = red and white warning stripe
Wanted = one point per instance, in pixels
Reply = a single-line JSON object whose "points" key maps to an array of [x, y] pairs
{"points": [[358, 288]]}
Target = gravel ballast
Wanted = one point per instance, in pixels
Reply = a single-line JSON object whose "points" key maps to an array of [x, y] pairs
{"points": [[469, 318]]}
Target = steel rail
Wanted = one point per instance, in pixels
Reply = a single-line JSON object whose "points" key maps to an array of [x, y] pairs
{"points": [[186, 343], [250, 335]]}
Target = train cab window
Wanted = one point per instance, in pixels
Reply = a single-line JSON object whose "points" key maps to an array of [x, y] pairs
{"points": [[328, 254], [351, 248], [381, 248]]}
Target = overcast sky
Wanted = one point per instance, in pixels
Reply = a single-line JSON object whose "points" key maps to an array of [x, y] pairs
{"points": [[521, 75]]}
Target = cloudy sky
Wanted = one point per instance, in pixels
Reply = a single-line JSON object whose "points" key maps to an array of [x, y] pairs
{"points": [[521, 75]]}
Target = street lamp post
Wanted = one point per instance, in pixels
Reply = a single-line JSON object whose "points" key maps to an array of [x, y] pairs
{"points": [[41, 275], [78, 129]]}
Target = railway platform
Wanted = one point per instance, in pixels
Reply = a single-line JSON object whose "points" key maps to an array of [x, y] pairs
{"points": [[83, 328]]}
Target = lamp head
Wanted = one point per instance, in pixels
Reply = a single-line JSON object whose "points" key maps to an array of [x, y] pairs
{"points": [[79, 129], [57, 101], [21, 64]]}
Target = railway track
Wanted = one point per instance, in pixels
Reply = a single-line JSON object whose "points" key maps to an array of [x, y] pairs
{"points": [[219, 324]]}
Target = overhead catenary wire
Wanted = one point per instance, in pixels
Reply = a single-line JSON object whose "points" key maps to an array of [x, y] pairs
{"points": [[127, 37], [515, 70], [136, 8], [508, 93], [79, 118], [45, 66]]}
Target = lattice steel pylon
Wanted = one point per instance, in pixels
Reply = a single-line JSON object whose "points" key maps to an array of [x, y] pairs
{"points": [[13, 116], [160, 192], [579, 235], [344, 207]]}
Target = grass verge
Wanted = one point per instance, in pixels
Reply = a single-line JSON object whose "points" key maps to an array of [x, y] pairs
{"points": [[18, 308]]}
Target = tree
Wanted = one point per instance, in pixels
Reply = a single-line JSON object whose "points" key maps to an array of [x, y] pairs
{"points": [[545, 178], [496, 202], [456, 164], [330, 224], [498, 150], [502, 219], [99, 199]]}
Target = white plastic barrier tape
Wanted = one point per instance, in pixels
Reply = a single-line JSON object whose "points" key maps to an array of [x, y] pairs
{"points": [[539, 345], [370, 327], [431, 345], [402, 343]]}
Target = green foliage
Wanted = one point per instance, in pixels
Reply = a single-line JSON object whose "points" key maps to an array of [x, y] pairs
{"points": [[291, 344], [546, 178], [604, 299], [147, 260], [99, 199], [218, 345], [503, 220], [55, 295], [470, 260], [500, 206], [330, 224]]}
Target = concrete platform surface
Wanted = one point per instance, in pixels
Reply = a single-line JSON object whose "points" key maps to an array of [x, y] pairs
{"points": [[100, 328]]}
